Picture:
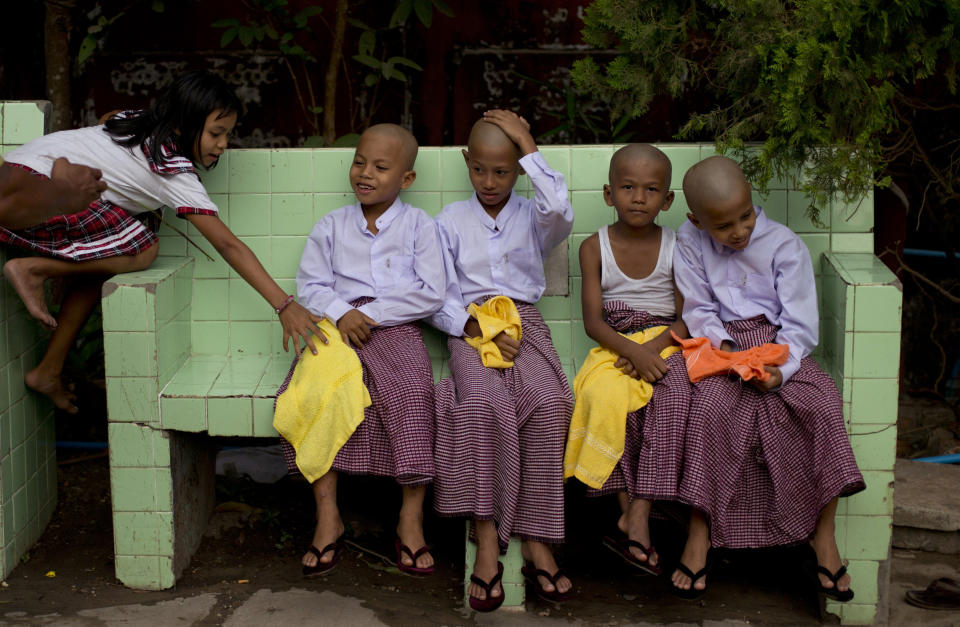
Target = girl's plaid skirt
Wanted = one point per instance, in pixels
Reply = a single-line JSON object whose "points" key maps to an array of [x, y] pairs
{"points": [[762, 465], [101, 230]]}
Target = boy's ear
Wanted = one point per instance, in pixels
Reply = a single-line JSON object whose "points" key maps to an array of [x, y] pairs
{"points": [[668, 200], [607, 195], [694, 221], [522, 171], [466, 156], [408, 178]]}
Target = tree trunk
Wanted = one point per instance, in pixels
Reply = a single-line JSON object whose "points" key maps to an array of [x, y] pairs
{"points": [[330, 80], [56, 44]]}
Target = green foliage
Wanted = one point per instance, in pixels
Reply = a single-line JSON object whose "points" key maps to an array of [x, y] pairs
{"points": [[814, 81], [97, 31]]}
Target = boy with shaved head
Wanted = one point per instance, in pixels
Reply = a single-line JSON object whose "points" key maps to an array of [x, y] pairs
{"points": [[374, 268], [765, 461], [500, 432], [628, 287]]}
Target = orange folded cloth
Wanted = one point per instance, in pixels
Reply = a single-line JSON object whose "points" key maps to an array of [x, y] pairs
{"points": [[703, 360]]}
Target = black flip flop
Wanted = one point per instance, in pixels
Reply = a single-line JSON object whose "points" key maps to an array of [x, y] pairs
{"points": [[941, 594], [324, 568], [531, 574], [692, 594], [621, 545]]}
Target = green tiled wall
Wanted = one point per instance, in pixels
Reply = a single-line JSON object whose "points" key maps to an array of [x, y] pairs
{"points": [[28, 463], [192, 334]]}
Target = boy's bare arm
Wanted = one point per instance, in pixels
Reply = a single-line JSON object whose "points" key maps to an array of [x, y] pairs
{"points": [[516, 128]]}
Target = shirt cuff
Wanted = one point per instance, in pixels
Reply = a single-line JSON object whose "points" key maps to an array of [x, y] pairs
{"points": [[790, 368], [719, 335], [182, 212], [336, 309], [534, 164]]}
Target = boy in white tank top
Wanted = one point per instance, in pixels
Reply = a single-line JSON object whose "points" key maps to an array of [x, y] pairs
{"points": [[628, 285]]}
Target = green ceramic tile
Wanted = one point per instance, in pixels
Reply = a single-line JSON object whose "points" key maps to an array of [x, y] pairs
{"points": [[292, 214], [249, 172], [125, 309], [817, 244], [240, 375], [855, 217], [590, 212], [20, 513], [285, 253], [130, 354], [5, 420], [877, 499], [230, 416], [209, 298], [858, 613], [15, 386], [851, 242], [134, 489], [18, 430], [166, 301], [263, 418], [206, 269], [210, 338], [554, 307], [589, 167], [138, 446], [774, 204], [331, 170], [22, 121], [674, 216], [453, 170], [798, 215], [138, 571], [325, 203], [875, 401], [868, 538], [197, 376], [260, 247], [874, 447], [877, 308], [864, 571], [430, 202], [246, 303], [876, 355], [560, 333], [132, 399], [183, 414], [427, 168], [249, 338], [250, 214], [217, 180], [291, 171], [136, 533], [558, 158]]}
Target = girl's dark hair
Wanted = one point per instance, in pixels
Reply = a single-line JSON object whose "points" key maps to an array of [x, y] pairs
{"points": [[178, 115]]}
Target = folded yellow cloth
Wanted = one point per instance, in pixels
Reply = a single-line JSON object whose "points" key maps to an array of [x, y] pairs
{"points": [[324, 403], [499, 314], [604, 396]]}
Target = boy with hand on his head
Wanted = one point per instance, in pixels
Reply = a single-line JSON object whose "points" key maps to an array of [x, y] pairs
{"points": [[765, 462], [374, 268], [500, 433], [628, 287]]}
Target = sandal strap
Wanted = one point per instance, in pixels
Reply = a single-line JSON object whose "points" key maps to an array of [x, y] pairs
{"points": [[694, 576], [333, 546], [834, 577], [488, 585], [414, 555]]}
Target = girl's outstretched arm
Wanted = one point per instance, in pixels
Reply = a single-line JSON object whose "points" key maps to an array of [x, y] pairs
{"points": [[297, 321]]}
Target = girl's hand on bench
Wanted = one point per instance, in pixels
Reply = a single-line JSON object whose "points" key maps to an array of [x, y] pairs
{"points": [[299, 323]]}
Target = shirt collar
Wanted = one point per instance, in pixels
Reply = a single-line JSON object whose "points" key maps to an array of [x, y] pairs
{"points": [[166, 160], [511, 207], [384, 220]]}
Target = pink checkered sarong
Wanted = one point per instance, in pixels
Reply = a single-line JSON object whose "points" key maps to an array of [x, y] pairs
{"points": [[500, 437], [652, 460], [395, 438], [101, 230], [762, 465]]}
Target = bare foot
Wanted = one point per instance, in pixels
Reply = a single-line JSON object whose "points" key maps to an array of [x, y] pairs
{"points": [[542, 558], [694, 555], [410, 532], [828, 556], [636, 524], [53, 387], [485, 565], [326, 532], [24, 277]]}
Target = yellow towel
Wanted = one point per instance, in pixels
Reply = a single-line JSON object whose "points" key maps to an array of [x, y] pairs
{"points": [[604, 396], [499, 314], [324, 403]]}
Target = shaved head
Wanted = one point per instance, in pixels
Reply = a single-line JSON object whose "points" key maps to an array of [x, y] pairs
{"points": [[641, 152], [715, 179], [408, 143], [489, 136]]}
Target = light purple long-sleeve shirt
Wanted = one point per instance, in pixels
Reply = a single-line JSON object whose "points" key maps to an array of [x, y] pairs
{"points": [[484, 256], [401, 267], [772, 276]]}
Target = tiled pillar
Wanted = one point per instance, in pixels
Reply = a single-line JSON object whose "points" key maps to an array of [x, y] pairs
{"points": [[28, 462], [862, 305]]}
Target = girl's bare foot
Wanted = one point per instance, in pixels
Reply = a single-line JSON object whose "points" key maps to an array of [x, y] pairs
{"points": [[542, 558], [485, 564], [28, 282], [694, 555], [635, 523], [410, 532], [53, 387], [326, 532]]}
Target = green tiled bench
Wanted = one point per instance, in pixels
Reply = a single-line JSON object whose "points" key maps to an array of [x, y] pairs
{"points": [[28, 460], [192, 351]]}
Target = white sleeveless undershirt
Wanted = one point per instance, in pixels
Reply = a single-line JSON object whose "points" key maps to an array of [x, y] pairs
{"points": [[654, 293]]}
